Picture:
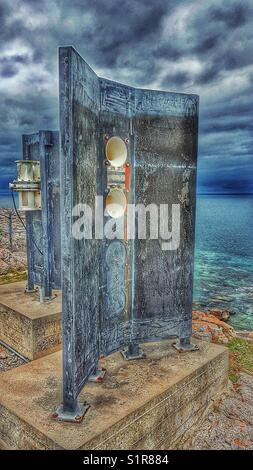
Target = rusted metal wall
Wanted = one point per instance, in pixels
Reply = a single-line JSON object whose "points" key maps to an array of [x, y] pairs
{"points": [[117, 292], [43, 227]]}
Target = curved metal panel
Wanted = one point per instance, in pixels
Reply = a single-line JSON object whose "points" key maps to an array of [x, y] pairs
{"points": [[122, 291]]}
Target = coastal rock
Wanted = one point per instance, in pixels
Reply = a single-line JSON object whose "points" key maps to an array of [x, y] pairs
{"points": [[245, 334], [221, 314], [207, 327], [4, 267], [202, 335], [12, 248], [10, 262]]}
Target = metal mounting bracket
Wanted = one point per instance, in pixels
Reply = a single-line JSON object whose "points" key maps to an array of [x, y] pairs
{"points": [[185, 346], [75, 416], [98, 377], [30, 291], [133, 352]]}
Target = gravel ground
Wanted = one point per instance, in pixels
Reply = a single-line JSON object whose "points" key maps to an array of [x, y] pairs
{"points": [[230, 424], [9, 360]]}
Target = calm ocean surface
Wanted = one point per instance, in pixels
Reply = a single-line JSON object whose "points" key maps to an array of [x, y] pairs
{"points": [[223, 255]]}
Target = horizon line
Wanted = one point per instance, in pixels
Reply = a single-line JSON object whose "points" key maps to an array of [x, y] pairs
{"points": [[225, 194], [5, 192]]}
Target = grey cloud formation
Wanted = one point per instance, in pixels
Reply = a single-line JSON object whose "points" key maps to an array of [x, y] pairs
{"points": [[203, 47]]}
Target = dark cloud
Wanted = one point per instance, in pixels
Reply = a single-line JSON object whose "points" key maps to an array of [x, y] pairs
{"points": [[167, 50], [232, 15], [9, 66], [209, 74], [180, 45], [208, 44], [175, 79], [8, 70]]}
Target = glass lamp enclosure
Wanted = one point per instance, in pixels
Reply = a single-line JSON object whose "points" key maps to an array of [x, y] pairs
{"points": [[43, 226], [122, 292], [28, 185]]}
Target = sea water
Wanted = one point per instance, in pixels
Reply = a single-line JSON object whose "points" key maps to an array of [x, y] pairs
{"points": [[224, 256]]}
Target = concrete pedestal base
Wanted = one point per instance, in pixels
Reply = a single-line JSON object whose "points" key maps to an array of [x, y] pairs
{"points": [[32, 329], [151, 403]]}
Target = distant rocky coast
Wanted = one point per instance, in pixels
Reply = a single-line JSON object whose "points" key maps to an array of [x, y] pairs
{"points": [[13, 261]]}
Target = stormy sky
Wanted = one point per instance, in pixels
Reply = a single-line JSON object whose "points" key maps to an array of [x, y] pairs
{"points": [[202, 47]]}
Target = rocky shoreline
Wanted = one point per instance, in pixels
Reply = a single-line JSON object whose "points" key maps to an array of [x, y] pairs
{"points": [[212, 326], [12, 244]]}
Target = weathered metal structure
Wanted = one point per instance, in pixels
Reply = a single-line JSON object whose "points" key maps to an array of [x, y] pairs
{"points": [[118, 293], [38, 185]]}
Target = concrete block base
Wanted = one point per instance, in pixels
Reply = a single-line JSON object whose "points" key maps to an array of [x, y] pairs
{"points": [[151, 403], [30, 328]]}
